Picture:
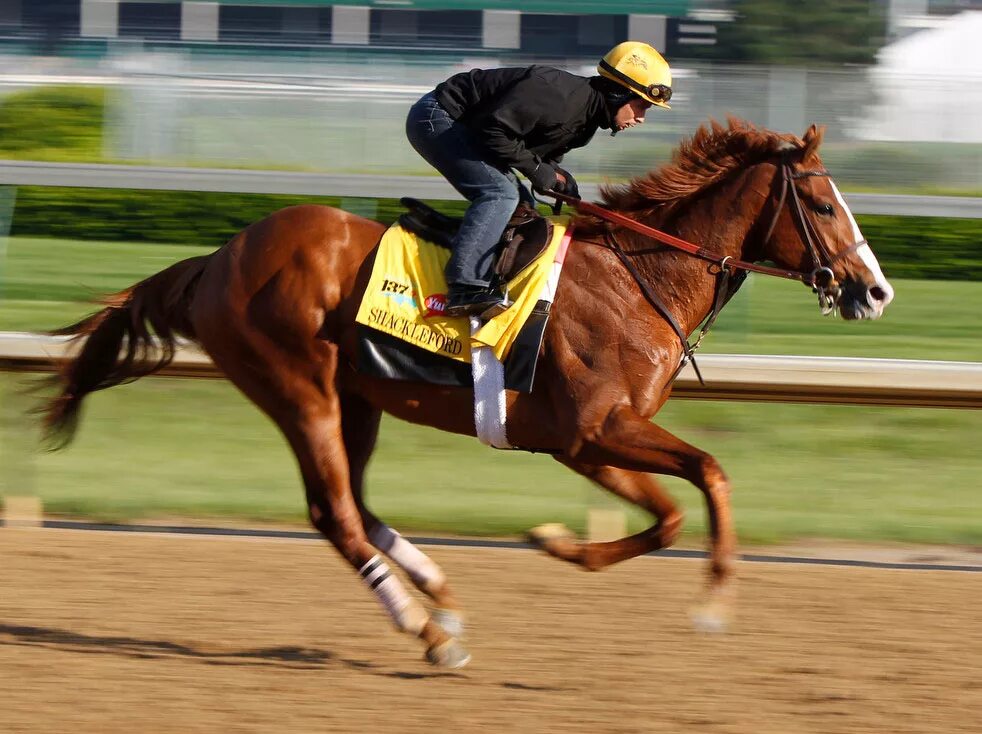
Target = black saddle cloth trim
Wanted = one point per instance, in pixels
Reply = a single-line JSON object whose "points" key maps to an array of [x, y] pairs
{"points": [[383, 355], [428, 223], [387, 357], [427, 212]]}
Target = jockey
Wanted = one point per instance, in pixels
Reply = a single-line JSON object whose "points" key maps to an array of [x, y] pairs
{"points": [[478, 127]]}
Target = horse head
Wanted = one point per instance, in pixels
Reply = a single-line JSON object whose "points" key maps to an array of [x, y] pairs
{"points": [[811, 229], [749, 193]]}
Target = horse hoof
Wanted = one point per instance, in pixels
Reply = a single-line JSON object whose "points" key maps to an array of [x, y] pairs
{"points": [[542, 535], [711, 617], [450, 620], [450, 654]]}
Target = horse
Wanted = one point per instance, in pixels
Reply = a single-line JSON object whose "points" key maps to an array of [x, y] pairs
{"points": [[275, 310]]}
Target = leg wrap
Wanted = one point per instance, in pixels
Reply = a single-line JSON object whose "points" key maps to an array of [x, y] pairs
{"points": [[424, 572], [406, 613]]}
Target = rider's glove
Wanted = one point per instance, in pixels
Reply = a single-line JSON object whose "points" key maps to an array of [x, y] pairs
{"points": [[543, 178], [569, 188]]}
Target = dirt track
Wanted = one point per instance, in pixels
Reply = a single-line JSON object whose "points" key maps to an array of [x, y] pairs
{"points": [[109, 632]]}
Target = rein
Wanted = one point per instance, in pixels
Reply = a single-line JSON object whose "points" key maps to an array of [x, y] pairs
{"points": [[821, 278], [676, 242]]}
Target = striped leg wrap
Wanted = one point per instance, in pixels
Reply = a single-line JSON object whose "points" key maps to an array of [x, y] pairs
{"points": [[406, 613]]}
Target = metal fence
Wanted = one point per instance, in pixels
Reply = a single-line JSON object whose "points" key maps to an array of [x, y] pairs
{"points": [[344, 113], [349, 117]]}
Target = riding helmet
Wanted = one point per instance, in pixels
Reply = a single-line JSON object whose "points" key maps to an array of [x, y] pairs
{"points": [[641, 69]]}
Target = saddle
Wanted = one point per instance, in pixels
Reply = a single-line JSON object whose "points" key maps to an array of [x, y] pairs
{"points": [[526, 236]]}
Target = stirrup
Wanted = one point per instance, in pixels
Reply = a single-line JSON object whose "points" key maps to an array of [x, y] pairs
{"points": [[477, 302], [497, 309]]}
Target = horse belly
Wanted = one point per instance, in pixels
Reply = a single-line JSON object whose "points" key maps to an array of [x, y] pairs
{"points": [[445, 408]]}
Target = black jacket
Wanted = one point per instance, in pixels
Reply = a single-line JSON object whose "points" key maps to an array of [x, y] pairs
{"points": [[526, 116]]}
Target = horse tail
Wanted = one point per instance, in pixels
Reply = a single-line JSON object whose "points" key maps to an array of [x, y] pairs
{"points": [[120, 344]]}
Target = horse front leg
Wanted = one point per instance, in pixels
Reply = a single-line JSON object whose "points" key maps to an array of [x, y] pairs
{"points": [[639, 489], [628, 441]]}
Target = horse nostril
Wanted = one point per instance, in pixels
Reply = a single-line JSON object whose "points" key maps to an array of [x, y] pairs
{"points": [[877, 294]]}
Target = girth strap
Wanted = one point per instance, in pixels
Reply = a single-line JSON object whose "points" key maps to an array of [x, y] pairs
{"points": [[657, 304]]}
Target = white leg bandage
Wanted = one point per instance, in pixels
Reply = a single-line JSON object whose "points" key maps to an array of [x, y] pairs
{"points": [[406, 613], [424, 572]]}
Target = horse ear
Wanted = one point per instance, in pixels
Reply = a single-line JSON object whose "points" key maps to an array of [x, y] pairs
{"points": [[813, 139]]}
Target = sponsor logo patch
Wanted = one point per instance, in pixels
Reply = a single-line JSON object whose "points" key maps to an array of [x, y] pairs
{"points": [[435, 304]]}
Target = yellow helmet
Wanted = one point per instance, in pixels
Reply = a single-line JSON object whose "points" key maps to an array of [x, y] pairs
{"points": [[641, 69]]}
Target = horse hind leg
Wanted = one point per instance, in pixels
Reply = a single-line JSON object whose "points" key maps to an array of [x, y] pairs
{"points": [[635, 487], [426, 575], [308, 412], [360, 424], [334, 512]]}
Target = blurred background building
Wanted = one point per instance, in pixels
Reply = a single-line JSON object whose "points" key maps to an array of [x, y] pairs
{"points": [[324, 84], [531, 26]]}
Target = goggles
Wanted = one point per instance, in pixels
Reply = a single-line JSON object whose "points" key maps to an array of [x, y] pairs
{"points": [[659, 92]]}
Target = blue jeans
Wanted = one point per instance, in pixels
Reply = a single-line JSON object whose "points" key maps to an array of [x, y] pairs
{"points": [[494, 192]]}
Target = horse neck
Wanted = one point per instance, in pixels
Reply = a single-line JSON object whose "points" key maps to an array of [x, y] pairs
{"points": [[722, 221]]}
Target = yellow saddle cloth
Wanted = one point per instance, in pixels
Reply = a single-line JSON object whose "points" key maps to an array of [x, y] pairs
{"points": [[407, 294]]}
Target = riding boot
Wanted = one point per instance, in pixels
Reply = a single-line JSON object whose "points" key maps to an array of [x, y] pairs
{"points": [[471, 300]]}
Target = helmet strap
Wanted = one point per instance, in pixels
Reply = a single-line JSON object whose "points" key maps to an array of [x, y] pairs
{"points": [[623, 78]]}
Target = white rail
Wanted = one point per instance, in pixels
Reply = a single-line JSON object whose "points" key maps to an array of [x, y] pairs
{"points": [[852, 381]]}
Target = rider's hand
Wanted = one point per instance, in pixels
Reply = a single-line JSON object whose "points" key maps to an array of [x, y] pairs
{"points": [[567, 184], [544, 178]]}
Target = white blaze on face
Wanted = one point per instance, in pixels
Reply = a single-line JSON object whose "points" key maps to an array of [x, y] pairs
{"points": [[863, 251]]}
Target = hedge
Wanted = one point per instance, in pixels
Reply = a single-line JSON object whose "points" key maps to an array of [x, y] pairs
{"points": [[61, 123], [928, 248], [907, 247]]}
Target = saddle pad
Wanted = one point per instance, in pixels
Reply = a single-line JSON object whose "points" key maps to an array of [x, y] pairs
{"points": [[407, 294]]}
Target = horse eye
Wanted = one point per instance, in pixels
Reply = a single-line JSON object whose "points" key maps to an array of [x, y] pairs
{"points": [[825, 209]]}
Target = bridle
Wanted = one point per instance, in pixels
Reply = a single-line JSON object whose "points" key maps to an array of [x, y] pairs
{"points": [[821, 279], [730, 271]]}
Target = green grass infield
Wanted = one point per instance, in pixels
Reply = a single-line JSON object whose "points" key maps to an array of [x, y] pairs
{"points": [[168, 448]]}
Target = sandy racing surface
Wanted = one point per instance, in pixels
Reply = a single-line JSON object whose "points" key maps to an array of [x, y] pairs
{"points": [[104, 632]]}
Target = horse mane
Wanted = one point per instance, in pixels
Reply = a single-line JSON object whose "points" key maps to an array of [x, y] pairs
{"points": [[710, 156]]}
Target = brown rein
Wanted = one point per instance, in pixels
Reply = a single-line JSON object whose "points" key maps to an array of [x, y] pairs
{"points": [[676, 242], [821, 278]]}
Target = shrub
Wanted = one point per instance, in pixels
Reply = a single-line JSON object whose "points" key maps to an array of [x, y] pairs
{"points": [[907, 247], [53, 123], [931, 248]]}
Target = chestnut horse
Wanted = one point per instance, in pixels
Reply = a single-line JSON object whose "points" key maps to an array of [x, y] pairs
{"points": [[275, 309]]}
